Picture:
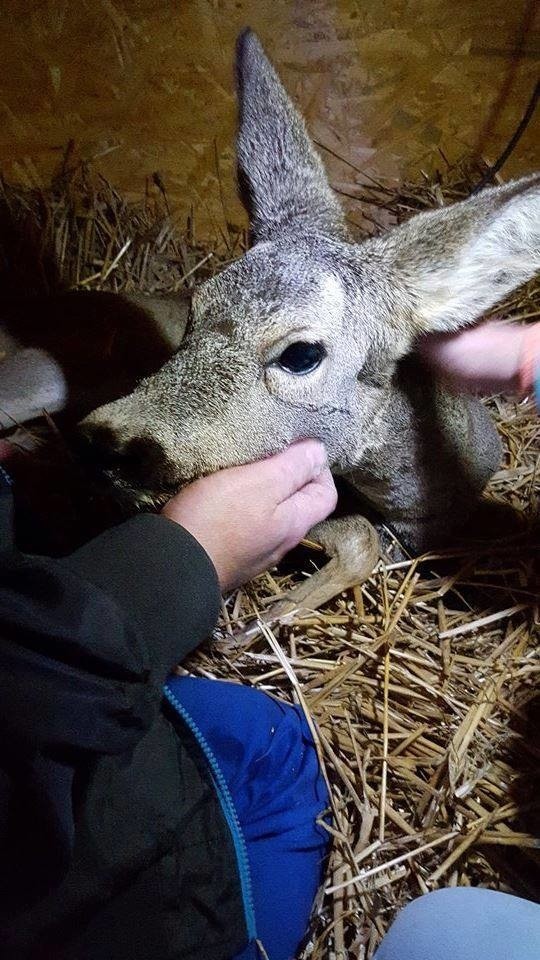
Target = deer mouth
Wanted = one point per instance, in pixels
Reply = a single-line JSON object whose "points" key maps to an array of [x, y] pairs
{"points": [[136, 494]]}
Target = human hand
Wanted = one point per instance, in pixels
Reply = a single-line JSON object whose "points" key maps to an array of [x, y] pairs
{"points": [[485, 359], [248, 517]]}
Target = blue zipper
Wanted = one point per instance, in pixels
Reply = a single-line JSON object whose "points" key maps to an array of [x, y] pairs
{"points": [[229, 812], [5, 477]]}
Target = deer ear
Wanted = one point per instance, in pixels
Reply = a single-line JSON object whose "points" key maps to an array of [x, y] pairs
{"points": [[460, 261], [282, 178]]}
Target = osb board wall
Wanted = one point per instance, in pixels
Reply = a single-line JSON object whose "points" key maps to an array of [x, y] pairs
{"points": [[146, 85]]}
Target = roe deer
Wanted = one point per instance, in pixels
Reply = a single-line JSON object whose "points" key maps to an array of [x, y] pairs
{"points": [[301, 337]]}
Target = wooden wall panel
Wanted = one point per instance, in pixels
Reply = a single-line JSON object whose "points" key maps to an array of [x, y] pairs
{"points": [[143, 85]]}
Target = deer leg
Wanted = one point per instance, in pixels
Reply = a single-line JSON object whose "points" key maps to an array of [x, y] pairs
{"points": [[353, 547]]}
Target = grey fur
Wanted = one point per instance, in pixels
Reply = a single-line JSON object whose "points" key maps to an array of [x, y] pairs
{"points": [[416, 452], [281, 174]]}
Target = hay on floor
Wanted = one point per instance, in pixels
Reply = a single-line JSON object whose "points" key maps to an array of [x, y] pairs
{"points": [[421, 681]]}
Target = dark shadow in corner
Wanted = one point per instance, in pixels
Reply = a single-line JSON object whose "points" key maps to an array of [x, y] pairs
{"points": [[104, 342]]}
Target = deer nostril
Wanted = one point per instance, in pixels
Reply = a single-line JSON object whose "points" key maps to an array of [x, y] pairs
{"points": [[98, 447], [138, 459]]}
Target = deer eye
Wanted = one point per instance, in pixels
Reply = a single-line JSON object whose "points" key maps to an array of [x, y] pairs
{"points": [[301, 357]]}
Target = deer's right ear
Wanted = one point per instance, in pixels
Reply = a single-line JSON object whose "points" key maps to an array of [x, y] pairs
{"points": [[282, 178]]}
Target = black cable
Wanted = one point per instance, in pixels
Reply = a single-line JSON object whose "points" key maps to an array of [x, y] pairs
{"points": [[515, 138]]}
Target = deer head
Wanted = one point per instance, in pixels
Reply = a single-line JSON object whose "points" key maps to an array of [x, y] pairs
{"points": [[300, 337]]}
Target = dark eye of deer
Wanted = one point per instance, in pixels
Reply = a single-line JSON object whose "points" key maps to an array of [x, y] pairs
{"points": [[302, 357]]}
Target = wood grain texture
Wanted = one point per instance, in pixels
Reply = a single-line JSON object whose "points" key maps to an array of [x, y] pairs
{"points": [[144, 86]]}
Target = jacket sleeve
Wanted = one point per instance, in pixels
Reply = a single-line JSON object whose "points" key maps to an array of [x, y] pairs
{"points": [[86, 641]]}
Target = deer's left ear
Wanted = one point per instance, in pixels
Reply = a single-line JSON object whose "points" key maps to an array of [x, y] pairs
{"points": [[281, 176], [457, 262]]}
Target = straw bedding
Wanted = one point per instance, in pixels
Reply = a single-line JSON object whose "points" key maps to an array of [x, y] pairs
{"points": [[422, 681]]}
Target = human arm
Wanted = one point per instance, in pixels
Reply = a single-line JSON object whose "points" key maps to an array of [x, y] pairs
{"points": [[102, 627], [85, 642]]}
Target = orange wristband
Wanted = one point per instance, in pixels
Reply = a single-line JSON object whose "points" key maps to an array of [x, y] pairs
{"points": [[529, 359]]}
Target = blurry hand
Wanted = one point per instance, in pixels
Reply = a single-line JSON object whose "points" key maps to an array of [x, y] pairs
{"points": [[247, 518], [485, 359]]}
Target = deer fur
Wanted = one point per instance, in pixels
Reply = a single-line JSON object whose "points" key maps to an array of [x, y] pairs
{"points": [[416, 452], [413, 450]]}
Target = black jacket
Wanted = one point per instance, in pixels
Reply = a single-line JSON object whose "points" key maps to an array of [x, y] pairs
{"points": [[113, 843]]}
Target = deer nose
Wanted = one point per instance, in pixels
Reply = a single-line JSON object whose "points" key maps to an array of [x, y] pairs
{"points": [[98, 447], [101, 450]]}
